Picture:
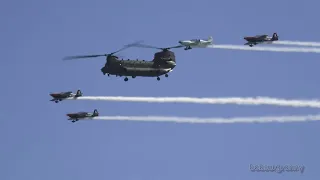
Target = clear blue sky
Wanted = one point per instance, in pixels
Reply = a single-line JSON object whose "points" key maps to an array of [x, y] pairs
{"points": [[37, 141]]}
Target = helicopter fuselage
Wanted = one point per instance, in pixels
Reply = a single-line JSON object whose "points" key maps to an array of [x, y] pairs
{"points": [[136, 68], [163, 63]]}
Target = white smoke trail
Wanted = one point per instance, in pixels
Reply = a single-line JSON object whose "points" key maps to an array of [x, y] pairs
{"points": [[227, 100], [273, 49], [297, 43], [267, 119]]}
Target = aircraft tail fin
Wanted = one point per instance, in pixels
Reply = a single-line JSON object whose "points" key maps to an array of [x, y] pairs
{"points": [[95, 112], [275, 37], [79, 93]]}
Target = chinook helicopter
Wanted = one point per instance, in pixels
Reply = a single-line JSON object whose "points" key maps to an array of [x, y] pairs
{"points": [[162, 63]]}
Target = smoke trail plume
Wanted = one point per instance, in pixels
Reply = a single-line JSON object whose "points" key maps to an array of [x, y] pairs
{"points": [[297, 43], [267, 119], [227, 100], [273, 49]]}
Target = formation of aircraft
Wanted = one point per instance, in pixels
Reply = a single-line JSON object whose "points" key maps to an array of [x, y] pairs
{"points": [[82, 115], [162, 63], [64, 95], [196, 43], [260, 39]]}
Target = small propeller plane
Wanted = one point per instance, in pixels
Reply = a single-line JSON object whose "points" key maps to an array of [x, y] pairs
{"points": [[196, 43], [260, 39], [82, 115], [64, 95]]}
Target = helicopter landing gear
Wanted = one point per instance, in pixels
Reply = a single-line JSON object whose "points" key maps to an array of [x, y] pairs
{"points": [[133, 76], [166, 75], [126, 79], [158, 78], [108, 74]]}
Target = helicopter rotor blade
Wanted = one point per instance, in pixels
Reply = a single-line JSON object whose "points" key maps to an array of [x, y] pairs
{"points": [[153, 47], [99, 55], [179, 46], [83, 56], [127, 46], [147, 46]]}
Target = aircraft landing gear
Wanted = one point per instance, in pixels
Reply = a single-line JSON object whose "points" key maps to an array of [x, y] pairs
{"points": [[126, 79], [56, 101], [158, 78], [166, 75], [187, 48]]}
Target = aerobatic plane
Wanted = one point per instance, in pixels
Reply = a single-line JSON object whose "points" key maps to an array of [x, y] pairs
{"points": [[64, 95], [82, 115], [260, 39], [196, 43]]}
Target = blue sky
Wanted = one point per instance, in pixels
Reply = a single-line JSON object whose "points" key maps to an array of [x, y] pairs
{"points": [[39, 143]]}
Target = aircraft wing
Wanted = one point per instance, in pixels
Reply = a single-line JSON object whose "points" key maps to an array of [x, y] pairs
{"points": [[69, 94], [79, 114], [65, 93], [62, 94], [261, 36], [195, 41]]}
